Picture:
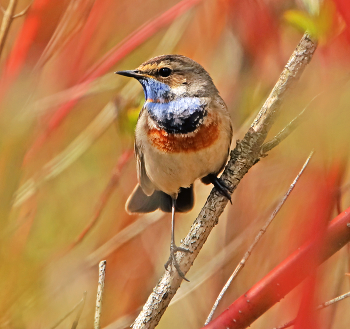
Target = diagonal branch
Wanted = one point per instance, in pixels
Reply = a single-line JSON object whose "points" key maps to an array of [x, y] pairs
{"points": [[243, 157], [319, 307], [286, 131], [283, 134]]}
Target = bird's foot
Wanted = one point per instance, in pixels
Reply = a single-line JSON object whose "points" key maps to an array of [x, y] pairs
{"points": [[221, 186], [172, 259]]}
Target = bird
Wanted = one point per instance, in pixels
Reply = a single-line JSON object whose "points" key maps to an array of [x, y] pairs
{"points": [[183, 133]]}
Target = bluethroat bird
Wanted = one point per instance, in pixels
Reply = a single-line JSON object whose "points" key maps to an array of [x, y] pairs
{"points": [[183, 133]]}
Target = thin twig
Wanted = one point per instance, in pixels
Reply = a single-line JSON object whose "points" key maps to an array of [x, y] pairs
{"points": [[319, 307], [286, 131], [80, 310], [333, 301], [69, 313], [6, 22], [100, 288], [243, 157], [22, 13], [338, 287], [257, 238]]}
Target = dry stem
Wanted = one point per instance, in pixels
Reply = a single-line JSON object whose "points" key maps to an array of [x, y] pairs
{"points": [[319, 307], [100, 288]]}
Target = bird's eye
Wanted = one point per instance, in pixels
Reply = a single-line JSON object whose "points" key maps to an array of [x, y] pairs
{"points": [[164, 72]]}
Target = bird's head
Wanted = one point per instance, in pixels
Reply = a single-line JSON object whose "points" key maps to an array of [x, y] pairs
{"points": [[168, 77]]}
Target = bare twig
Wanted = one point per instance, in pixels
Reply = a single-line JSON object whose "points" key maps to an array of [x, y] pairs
{"points": [[319, 307], [80, 310], [23, 12], [100, 288], [243, 157], [338, 287], [286, 131], [257, 238], [332, 301], [70, 312]]}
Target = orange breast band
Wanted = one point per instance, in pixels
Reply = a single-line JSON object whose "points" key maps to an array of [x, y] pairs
{"points": [[205, 136]]}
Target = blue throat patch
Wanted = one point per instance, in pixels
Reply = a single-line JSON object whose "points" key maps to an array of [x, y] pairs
{"points": [[155, 90], [178, 116]]}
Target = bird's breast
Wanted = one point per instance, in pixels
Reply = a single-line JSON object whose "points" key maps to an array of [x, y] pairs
{"points": [[204, 136]]}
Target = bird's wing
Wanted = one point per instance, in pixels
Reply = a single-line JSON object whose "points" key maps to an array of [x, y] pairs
{"points": [[142, 177]]}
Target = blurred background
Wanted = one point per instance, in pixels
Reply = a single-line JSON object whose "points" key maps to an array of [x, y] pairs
{"points": [[67, 166]]}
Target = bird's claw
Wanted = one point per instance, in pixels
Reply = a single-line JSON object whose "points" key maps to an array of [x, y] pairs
{"points": [[221, 186], [172, 260]]}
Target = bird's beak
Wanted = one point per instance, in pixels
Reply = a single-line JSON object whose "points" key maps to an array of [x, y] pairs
{"points": [[130, 73]]}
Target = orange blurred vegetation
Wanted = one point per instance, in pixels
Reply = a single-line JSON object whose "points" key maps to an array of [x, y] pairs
{"points": [[66, 170]]}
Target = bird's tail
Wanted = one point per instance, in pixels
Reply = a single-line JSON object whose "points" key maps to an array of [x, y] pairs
{"points": [[139, 202]]}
